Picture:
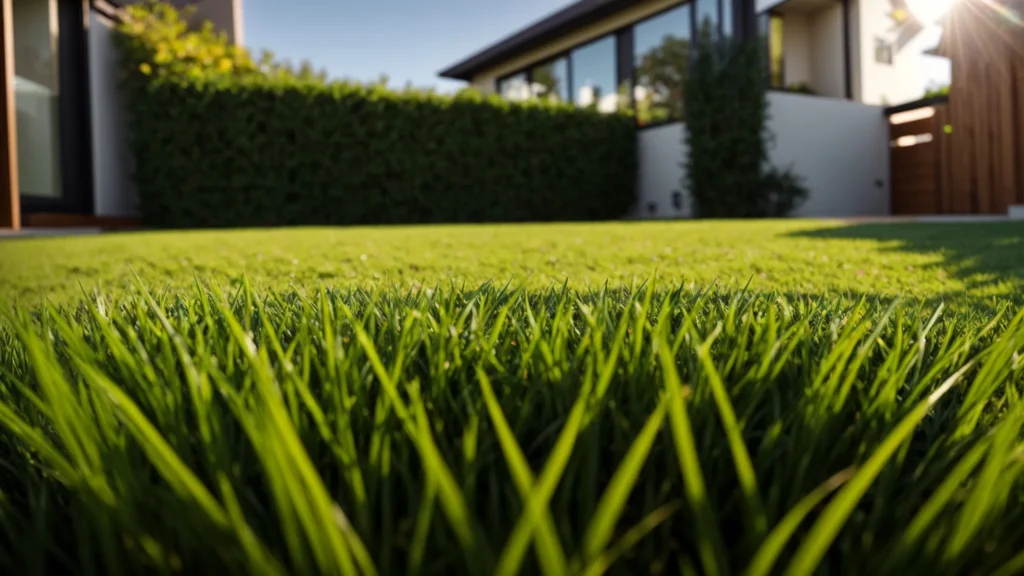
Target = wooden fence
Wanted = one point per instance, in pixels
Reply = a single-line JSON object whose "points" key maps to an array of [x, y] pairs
{"points": [[966, 155], [920, 182]]}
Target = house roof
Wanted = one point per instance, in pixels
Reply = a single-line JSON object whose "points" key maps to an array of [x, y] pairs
{"points": [[572, 17]]}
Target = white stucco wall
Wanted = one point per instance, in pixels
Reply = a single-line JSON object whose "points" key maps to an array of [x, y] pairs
{"points": [[827, 51], [111, 162], [884, 84], [812, 46], [841, 148], [796, 50], [661, 152]]}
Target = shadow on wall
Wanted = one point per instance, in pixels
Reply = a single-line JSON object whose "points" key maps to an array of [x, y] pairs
{"points": [[979, 254]]}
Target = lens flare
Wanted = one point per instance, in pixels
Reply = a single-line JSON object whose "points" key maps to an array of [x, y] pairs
{"points": [[929, 11], [1003, 9]]}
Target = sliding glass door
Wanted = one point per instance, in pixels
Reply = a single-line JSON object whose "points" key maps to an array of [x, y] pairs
{"points": [[51, 101]]}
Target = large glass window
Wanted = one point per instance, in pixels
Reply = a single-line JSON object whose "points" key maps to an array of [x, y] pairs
{"points": [[662, 47], [515, 88], [551, 80], [37, 97], [707, 16], [595, 76]]}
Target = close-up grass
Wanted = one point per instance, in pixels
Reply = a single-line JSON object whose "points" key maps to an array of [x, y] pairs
{"points": [[652, 429], [941, 261]]}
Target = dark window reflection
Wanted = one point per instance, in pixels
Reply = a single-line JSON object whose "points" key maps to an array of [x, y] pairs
{"points": [[707, 16], [594, 77], [551, 80], [662, 49], [727, 18]]}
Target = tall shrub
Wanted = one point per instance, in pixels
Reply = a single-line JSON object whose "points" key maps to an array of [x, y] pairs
{"points": [[726, 134], [223, 139]]}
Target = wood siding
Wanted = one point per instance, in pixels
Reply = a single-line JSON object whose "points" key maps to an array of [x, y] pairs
{"points": [[10, 206], [986, 107]]}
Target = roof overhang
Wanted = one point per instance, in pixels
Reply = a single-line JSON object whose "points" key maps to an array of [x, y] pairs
{"points": [[572, 17]]}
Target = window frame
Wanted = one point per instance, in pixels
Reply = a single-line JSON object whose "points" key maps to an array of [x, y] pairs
{"points": [[74, 116], [625, 57]]}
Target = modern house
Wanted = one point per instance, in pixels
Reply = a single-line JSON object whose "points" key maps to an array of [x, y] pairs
{"points": [[63, 152], [833, 64]]}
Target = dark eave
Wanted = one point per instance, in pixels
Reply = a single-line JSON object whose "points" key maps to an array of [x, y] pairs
{"points": [[565, 21]]}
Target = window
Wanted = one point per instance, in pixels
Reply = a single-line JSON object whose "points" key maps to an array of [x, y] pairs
{"points": [[551, 80], [595, 76], [727, 18], [37, 98], [707, 15], [662, 48], [645, 64], [515, 88], [883, 51]]}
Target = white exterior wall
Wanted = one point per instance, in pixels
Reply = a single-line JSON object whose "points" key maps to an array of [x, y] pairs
{"points": [[841, 148], [114, 193], [796, 50], [828, 64], [883, 84], [661, 152]]}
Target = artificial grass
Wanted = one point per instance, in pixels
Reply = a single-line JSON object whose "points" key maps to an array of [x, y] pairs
{"points": [[499, 430], [942, 261]]}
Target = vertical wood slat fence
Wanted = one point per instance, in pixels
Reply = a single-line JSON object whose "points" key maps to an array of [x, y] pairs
{"points": [[966, 155]]}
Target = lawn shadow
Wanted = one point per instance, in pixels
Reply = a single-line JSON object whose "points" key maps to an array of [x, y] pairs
{"points": [[980, 254]]}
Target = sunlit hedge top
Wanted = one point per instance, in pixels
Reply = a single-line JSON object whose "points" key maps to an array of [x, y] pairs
{"points": [[158, 45]]}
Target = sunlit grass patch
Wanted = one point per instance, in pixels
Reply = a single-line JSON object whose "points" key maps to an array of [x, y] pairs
{"points": [[507, 430]]}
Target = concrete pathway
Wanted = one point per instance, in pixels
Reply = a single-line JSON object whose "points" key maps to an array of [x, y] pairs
{"points": [[43, 232]]}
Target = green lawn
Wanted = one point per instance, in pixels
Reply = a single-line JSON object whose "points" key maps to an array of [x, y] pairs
{"points": [[357, 428], [811, 257]]}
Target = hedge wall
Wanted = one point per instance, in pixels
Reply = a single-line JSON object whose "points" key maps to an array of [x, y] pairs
{"points": [[220, 139]]}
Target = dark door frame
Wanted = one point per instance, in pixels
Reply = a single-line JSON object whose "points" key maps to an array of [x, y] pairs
{"points": [[75, 162]]}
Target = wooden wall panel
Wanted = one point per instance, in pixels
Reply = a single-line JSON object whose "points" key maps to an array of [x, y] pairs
{"points": [[981, 164], [10, 206]]}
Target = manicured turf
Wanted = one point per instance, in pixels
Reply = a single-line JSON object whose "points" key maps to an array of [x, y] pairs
{"points": [[429, 429], [812, 257], [487, 431]]}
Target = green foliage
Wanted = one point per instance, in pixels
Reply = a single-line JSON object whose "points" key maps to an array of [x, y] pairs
{"points": [[936, 92], [506, 431], [224, 139], [800, 88], [726, 134]]}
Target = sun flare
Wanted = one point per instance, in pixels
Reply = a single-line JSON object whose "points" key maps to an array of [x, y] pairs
{"points": [[929, 11]]}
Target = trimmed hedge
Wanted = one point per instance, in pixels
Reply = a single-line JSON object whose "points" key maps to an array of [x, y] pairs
{"points": [[221, 139]]}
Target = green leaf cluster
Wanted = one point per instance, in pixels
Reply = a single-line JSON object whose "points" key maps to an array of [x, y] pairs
{"points": [[727, 170], [222, 138]]}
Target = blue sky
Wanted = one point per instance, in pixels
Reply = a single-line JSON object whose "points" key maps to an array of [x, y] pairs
{"points": [[404, 39], [408, 40]]}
